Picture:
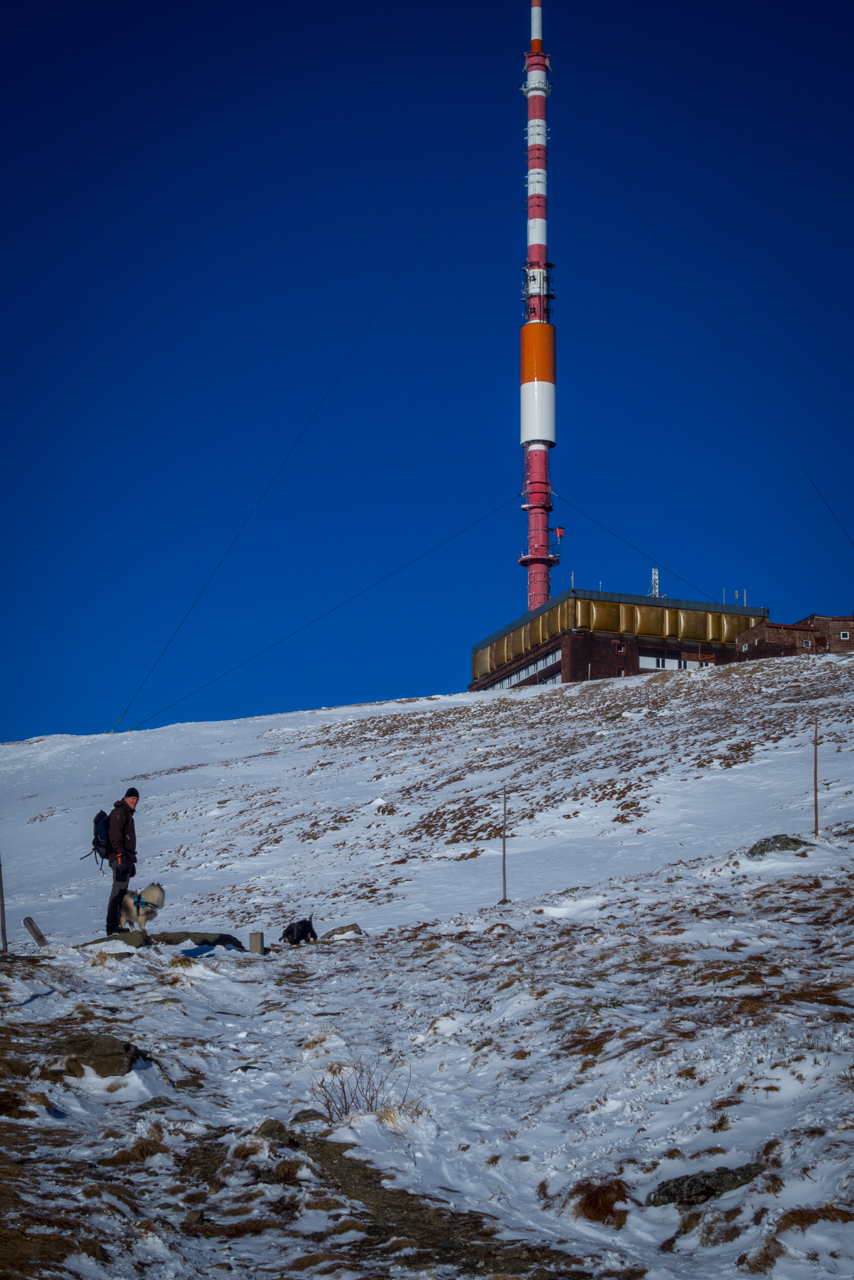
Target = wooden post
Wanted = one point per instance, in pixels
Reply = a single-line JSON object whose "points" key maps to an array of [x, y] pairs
{"points": [[34, 931], [504, 847], [815, 774], [3, 942], [256, 944]]}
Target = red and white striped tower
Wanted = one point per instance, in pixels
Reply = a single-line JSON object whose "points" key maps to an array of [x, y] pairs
{"points": [[538, 334]]}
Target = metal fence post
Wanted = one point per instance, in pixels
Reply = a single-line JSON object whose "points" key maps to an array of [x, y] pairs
{"points": [[3, 941]]}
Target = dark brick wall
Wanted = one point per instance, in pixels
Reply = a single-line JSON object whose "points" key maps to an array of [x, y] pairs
{"points": [[587, 656], [765, 641]]}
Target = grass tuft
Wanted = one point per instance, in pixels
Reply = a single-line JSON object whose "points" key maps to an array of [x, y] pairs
{"points": [[596, 1201]]}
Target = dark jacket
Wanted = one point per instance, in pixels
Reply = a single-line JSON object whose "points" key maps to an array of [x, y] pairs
{"points": [[122, 840]]}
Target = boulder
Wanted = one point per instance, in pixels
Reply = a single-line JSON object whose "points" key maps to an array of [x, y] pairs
{"points": [[340, 932], [308, 1115], [697, 1188], [272, 1131], [778, 844], [106, 1055], [13, 1106], [160, 1103]]}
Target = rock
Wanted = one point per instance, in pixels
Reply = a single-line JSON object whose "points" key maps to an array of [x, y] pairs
{"points": [[14, 1107], [272, 1130], [307, 1115], [106, 1055], [172, 938], [778, 844], [194, 1218], [156, 1224], [697, 1188], [202, 1161], [341, 932], [157, 1104]]}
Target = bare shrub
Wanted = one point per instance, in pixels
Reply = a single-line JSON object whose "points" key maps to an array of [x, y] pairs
{"points": [[596, 1201], [346, 1087], [846, 1077], [394, 1117]]}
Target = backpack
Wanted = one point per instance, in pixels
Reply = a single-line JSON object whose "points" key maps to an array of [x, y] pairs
{"points": [[100, 836]]}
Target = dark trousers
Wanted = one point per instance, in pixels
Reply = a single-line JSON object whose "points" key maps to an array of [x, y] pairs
{"points": [[118, 891]]}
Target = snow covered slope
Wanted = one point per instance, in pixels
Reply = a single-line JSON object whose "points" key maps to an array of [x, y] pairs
{"points": [[650, 1003]]}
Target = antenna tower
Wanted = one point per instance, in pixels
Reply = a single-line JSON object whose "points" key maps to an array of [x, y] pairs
{"points": [[538, 334]]}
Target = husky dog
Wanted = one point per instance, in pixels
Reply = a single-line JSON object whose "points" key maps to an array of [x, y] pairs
{"points": [[300, 931], [138, 908]]}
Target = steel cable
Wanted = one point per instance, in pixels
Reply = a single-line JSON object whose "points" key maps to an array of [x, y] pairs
{"points": [[327, 612], [330, 387]]}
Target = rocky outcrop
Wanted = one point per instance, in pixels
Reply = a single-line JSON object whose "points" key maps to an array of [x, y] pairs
{"points": [[342, 931], [272, 1131], [697, 1188], [106, 1055], [778, 844], [308, 1116]]}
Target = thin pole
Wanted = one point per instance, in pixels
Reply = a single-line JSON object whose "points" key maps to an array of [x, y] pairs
{"points": [[815, 773], [504, 848], [3, 942]]}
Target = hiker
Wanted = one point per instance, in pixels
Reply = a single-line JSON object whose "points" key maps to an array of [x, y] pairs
{"points": [[121, 852]]}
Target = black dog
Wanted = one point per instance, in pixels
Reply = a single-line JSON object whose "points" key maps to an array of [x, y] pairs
{"points": [[300, 931]]}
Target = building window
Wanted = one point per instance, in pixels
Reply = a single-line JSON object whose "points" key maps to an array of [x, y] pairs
{"points": [[659, 662], [621, 648], [843, 635], [808, 644], [621, 671], [705, 664], [744, 648]]}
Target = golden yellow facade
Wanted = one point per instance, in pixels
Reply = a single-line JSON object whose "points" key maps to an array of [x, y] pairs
{"points": [[646, 621]]}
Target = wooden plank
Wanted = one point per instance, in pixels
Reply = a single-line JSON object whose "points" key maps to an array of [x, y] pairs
{"points": [[35, 932]]}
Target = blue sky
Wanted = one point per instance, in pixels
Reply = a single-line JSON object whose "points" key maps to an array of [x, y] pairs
{"points": [[206, 204]]}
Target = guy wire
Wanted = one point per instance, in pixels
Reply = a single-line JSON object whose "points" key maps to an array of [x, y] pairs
{"points": [[429, 227], [327, 612]]}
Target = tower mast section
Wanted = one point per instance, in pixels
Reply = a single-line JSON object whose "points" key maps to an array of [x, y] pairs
{"points": [[538, 334]]}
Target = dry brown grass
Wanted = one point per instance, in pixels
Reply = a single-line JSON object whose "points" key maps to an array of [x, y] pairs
{"points": [[142, 1149], [763, 1259], [244, 1150], [596, 1201], [803, 1218]]}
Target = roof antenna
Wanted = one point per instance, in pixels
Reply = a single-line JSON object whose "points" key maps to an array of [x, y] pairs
{"points": [[653, 586]]}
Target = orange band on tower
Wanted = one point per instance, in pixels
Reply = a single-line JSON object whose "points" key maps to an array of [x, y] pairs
{"points": [[538, 353]]}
